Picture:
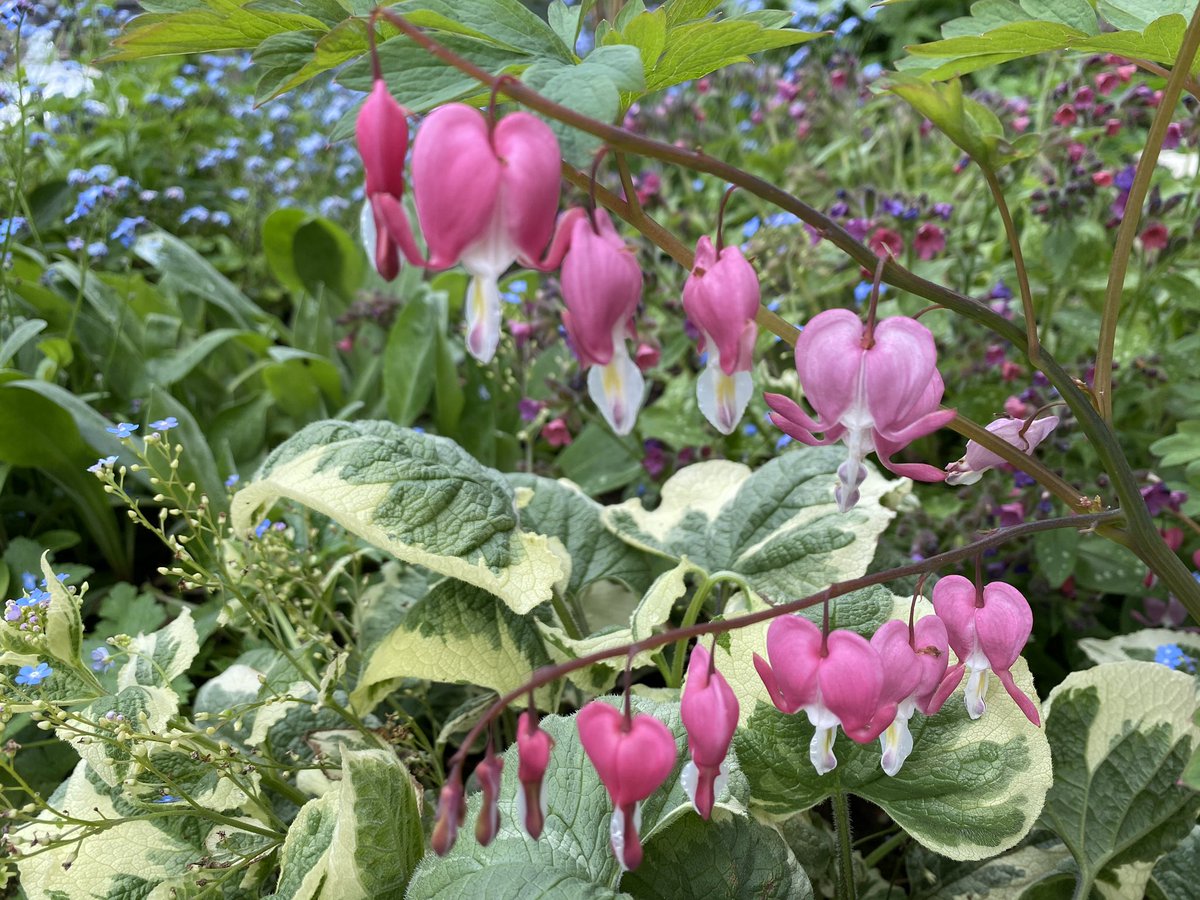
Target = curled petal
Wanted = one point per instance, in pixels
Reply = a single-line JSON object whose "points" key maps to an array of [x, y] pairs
{"points": [[790, 418], [950, 683], [1025, 703]]}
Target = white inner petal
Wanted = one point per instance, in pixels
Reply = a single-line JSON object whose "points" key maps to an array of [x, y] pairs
{"points": [[896, 743], [723, 398], [483, 317], [617, 388], [366, 227]]}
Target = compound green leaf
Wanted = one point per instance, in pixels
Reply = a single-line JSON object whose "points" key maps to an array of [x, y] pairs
{"points": [[420, 497], [1121, 734], [456, 633]]}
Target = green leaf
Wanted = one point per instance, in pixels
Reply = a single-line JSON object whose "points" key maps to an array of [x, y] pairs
{"points": [[409, 364], [324, 255], [599, 461], [1056, 553], [699, 48], [420, 497], [1120, 735], [1174, 876], [224, 25], [566, 21], [506, 22], [20, 336], [458, 634], [593, 87], [679, 11], [1042, 871], [1139, 645], [1137, 14], [346, 41], [304, 858], [1180, 448], [778, 527], [162, 656], [754, 861], [1077, 14], [560, 509], [1160, 42], [378, 838], [63, 625], [646, 31], [573, 858], [970, 789], [111, 762], [420, 81]]}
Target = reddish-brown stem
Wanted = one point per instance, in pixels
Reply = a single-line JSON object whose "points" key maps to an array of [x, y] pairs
{"points": [[868, 338], [548, 674], [721, 219], [979, 581]]}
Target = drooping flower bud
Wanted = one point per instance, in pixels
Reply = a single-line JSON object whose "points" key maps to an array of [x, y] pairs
{"points": [[381, 132], [486, 197], [451, 813], [979, 459], [877, 393], [601, 287], [987, 631], [533, 756], [836, 682], [488, 772], [913, 666], [720, 297], [633, 757], [709, 710]]}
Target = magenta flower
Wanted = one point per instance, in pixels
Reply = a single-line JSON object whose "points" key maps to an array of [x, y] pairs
{"points": [[1065, 115], [601, 287], [837, 681], [914, 664], [633, 757], [1154, 237], [879, 395], [929, 241], [487, 196], [381, 132], [556, 432], [533, 756], [451, 812], [978, 459], [710, 715], [987, 631], [720, 298]]}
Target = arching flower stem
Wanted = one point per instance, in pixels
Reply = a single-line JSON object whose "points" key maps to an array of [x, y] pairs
{"points": [[549, 674]]}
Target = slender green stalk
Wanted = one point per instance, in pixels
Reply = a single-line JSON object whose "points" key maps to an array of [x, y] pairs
{"points": [[841, 825], [1133, 214], [1033, 346], [876, 856], [692, 613], [564, 615]]}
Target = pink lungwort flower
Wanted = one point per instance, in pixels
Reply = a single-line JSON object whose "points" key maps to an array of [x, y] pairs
{"points": [[720, 297], [836, 682], [381, 133], [978, 459], [710, 714], [879, 395], [987, 631], [914, 664], [929, 241], [1154, 237], [533, 756], [633, 756], [601, 287], [487, 196]]}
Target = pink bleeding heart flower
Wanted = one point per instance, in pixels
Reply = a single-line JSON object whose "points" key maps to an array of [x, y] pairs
{"points": [[836, 682], [877, 394], [710, 714], [487, 196], [601, 287], [987, 631], [721, 297], [488, 774], [914, 663], [633, 757], [381, 132], [978, 459], [533, 756]]}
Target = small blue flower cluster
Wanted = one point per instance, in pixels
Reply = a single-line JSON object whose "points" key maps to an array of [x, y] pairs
{"points": [[1173, 657]]}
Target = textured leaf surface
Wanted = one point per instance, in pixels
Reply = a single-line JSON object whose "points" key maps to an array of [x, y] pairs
{"points": [[778, 527], [456, 633], [1121, 734], [162, 656], [725, 859], [1141, 646], [560, 509], [573, 857], [970, 789], [420, 497]]}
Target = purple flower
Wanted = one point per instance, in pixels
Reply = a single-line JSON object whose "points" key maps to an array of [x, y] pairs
{"points": [[529, 409], [101, 660]]}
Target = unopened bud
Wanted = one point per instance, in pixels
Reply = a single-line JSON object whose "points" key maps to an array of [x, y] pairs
{"points": [[533, 756], [451, 812], [488, 823]]}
